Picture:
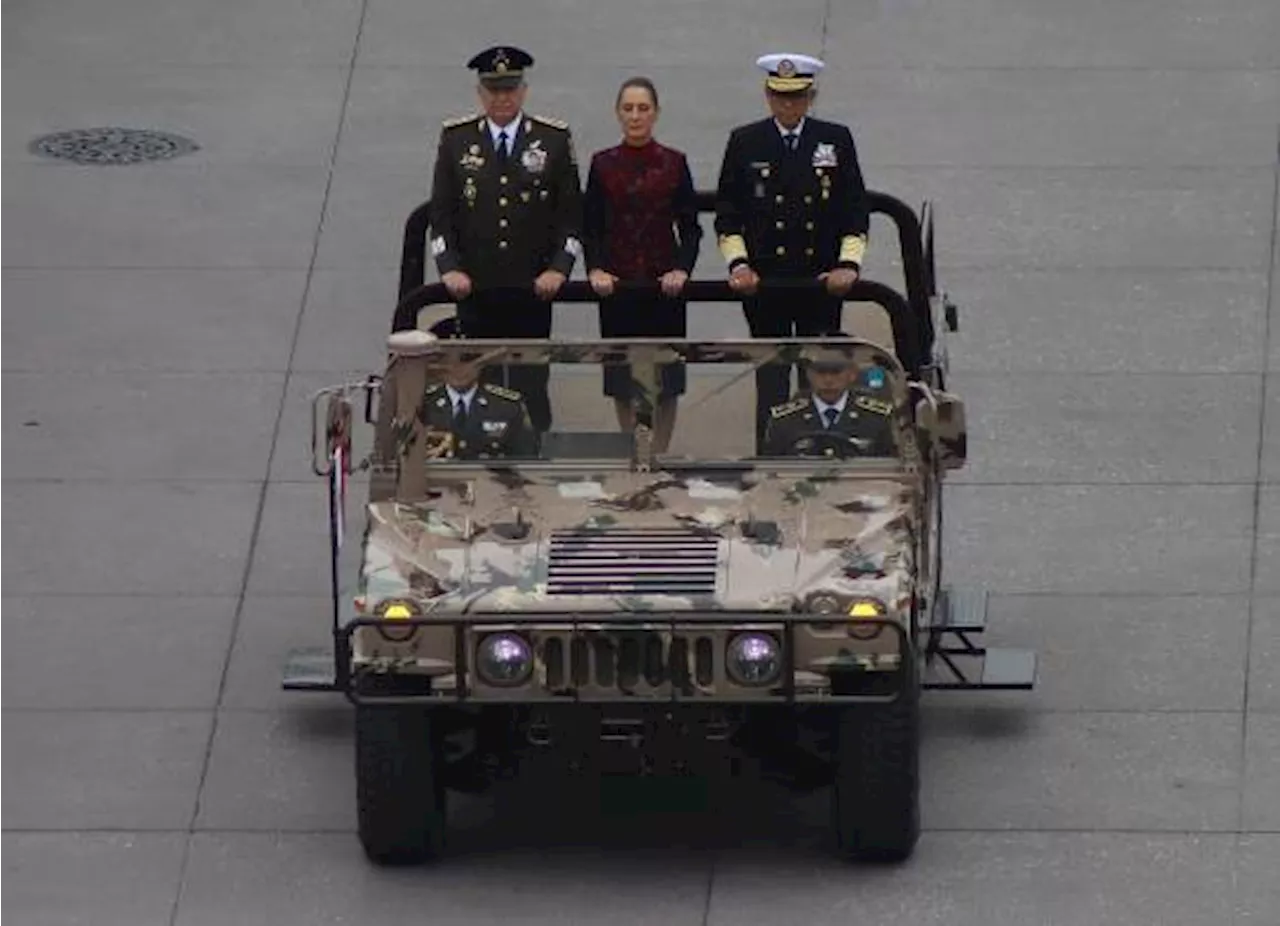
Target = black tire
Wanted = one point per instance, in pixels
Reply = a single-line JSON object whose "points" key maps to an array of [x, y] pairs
{"points": [[876, 780], [400, 793]]}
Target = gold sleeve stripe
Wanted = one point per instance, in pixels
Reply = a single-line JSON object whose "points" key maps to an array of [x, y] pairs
{"points": [[733, 247], [853, 247]]}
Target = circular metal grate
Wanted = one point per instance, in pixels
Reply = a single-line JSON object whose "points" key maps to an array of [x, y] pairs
{"points": [[112, 145]]}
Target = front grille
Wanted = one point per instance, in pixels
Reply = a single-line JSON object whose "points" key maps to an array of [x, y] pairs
{"points": [[625, 660], [632, 561]]}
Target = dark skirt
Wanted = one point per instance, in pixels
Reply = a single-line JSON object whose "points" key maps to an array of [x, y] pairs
{"points": [[637, 315]]}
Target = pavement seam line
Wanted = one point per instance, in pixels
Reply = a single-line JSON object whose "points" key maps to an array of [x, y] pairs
{"points": [[1259, 486], [256, 530]]}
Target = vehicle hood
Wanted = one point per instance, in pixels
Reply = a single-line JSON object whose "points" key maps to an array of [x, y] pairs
{"points": [[621, 541]]}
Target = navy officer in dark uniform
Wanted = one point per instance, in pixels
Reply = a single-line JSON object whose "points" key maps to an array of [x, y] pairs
{"points": [[506, 206], [790, 204], [469, 419], [844, 414]]}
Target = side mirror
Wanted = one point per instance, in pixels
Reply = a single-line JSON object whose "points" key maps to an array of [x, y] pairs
{"points": [[952, 432], [943, 419]]}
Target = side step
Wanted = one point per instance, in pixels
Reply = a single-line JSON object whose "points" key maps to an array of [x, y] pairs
{"points": [[309, 670], [954, 662], [961, 609], [995, 669]]}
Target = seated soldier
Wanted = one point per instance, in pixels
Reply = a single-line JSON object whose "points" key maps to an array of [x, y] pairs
{"points": [[477, 419], [835, 418]]}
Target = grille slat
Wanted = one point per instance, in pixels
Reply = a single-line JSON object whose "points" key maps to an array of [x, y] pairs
{"points": [[632, 560]]}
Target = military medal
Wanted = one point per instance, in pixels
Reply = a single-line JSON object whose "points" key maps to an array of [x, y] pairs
{"points": [[824, 155], [534, 158]]}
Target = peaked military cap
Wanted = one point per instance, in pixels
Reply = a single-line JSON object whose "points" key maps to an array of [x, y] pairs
{"points": [[789, 73], [501, 66], [447, 328]]}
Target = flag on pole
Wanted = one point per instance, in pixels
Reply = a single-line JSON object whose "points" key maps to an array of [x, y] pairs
{"points": [[338, 493]]}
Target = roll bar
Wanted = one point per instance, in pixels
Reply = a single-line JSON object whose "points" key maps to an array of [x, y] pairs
{"points": [[916, 269], [906, 333]]}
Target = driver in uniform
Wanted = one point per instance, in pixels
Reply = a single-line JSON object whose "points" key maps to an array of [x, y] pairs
{"points": [[854, 410], [474, 419]]}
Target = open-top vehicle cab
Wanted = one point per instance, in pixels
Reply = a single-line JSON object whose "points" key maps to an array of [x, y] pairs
{"points": [[666, 609]]}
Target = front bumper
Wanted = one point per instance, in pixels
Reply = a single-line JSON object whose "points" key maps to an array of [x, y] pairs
{"points": [[649, 658]]}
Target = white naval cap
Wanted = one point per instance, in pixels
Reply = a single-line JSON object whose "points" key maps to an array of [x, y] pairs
{"points": [[789, 73]]}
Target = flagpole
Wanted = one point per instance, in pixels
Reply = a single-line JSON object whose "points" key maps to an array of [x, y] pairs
{"points": [[336, 463]]}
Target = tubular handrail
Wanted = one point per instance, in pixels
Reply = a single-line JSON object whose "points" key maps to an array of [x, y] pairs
{"points": [[910, 242], [906, 332]]}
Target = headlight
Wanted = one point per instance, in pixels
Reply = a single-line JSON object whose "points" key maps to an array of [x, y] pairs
{"points": [[754, 659], [504, 659]]}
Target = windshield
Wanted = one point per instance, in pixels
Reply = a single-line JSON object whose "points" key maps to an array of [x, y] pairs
{"points": [[698, 400]]}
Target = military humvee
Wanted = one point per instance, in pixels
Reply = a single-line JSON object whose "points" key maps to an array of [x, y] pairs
{"points": [[659, 611]]}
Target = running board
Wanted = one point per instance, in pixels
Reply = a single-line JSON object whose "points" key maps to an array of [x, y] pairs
{"points": [[309, 670], [963, 669], [961, 609], [954, 662]]}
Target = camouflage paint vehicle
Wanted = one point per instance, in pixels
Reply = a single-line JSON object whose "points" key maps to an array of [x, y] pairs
{"points": [[654, 613]]}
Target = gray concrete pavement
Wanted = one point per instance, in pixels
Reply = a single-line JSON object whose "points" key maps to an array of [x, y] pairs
{"points": [[1105, 175]]}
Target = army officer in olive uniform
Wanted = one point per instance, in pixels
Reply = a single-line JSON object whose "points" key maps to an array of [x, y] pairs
{"points": [[856, 410], [474, 419], [506, 205], [790, 204]]}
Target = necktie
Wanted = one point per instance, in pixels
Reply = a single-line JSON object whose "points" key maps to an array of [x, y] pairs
{"points": [[502, 147], [792, 140], [831, 414], [460, 417]]}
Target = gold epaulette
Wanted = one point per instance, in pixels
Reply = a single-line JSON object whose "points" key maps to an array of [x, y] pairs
{"points": [[459, 120], [787, 408], [879, 406], [551, 121], [503, 392]]}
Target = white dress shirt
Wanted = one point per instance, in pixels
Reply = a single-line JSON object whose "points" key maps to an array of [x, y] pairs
{"points": [[465, 398], [822, 407], [511, 128], [796, 131]]}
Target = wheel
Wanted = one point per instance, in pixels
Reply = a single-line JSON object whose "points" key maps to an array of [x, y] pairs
{"points": [[876, 777], [400, 795]]}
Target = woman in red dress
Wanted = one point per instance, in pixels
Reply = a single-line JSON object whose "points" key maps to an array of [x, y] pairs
{"points": [[640, 222]]}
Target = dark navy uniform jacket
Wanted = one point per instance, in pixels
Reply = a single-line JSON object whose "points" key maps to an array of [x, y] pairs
{"points": [[790, 213]]}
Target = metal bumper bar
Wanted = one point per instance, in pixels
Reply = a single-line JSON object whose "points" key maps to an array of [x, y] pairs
{"points": [[374, 685]]}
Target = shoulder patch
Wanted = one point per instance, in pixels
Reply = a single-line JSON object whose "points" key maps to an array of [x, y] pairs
{"points": [[503, 392], [788, 408], [459, 120], [549, 120], [879, 406]]}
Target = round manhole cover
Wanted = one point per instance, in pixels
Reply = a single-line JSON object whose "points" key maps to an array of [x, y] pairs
{"points": [[112, 146]]}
